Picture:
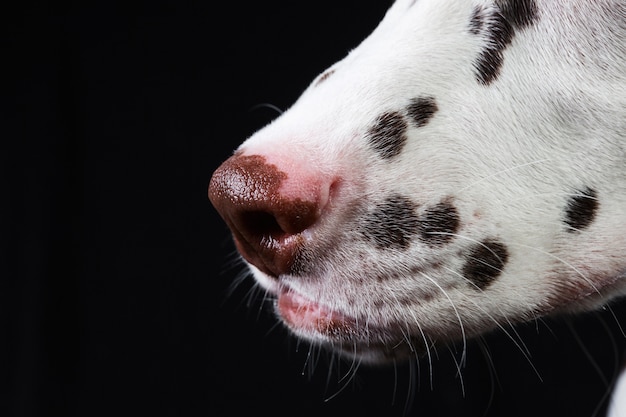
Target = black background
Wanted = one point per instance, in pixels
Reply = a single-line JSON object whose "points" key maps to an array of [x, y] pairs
{"points": [[117, 275]]}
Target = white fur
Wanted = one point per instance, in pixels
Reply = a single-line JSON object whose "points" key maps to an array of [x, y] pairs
{"points": [[509, 154]]}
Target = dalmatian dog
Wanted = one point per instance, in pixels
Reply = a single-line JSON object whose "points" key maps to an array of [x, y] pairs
{"points": [[462, 169]]}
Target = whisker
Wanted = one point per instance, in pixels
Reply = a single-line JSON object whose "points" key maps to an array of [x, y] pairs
{"points": [[352, 368], [273, 327], [459, 372], [266, 106], [307, 361], [407, 338], [348, 378], [395, 382], [520, 345], [426, 345], [619, 324], [493, 376], [329, 374], [617, 365], [236, 282], [455, 311], [504, 171], [413, 375], [255, 293]]}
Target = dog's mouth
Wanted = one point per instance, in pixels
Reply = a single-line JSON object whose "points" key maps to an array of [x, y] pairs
{"points": [[312, 319], [305, 315], [353, 337]]}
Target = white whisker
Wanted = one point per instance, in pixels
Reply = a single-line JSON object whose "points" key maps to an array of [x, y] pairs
{"points": [[267, 106], [455, 311], [594, 364], [459, 372], [307, 362], [492, 372], [426, 345], [413, 375], [504, 171], [348, 377], [520, 345]]}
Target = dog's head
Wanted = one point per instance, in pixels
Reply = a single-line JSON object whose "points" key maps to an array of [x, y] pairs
{"points": [[464, 167]]}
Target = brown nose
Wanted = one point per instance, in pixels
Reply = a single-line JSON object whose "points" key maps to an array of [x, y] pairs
{"points": [[266, 223]]}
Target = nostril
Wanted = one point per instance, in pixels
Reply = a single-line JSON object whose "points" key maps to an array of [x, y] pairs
{"points": [[260, 224], [266, 209]]}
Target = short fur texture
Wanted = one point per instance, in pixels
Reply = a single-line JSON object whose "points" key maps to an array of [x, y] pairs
{"points": [[463, 168]]}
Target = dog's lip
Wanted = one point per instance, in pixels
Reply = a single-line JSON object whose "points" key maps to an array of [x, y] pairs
{"points": [[304, 314], [371, 342]]}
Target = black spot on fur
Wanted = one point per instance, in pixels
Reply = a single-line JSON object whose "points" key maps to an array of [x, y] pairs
{"points": [[490, 60], [324, 76], [421, 110], [581, 210], [485, 263], [499, 27], [439, 223], [477, 21], [520, 13], [392, 224], [388, 134]]}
